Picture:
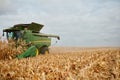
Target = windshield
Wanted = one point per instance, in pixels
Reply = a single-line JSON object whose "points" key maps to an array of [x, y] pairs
{"points": [[14, 35]]}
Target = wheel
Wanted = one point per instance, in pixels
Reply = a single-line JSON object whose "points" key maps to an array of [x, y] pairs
{"points": [[37, 52], [44, 50]]}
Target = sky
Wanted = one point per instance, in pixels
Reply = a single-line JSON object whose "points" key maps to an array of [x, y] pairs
{"points": [[77, 22]]}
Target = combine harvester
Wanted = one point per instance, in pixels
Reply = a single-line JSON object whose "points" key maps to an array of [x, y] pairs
{"points": [[37, 43]]}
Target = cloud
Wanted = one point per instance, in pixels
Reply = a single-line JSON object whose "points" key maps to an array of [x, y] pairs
{"points": [[6, 7], [85, 22]]}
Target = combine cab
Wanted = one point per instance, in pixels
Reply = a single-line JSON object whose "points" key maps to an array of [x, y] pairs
{"points": [[30, 33]]}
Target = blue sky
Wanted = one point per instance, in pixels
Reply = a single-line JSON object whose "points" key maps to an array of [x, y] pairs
{"points": [[78, 22]]}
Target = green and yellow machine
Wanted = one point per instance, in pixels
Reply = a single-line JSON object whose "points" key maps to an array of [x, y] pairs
{"points": [[30, 33]]}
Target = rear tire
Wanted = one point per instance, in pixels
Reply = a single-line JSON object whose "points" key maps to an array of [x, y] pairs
{"points": [[44, 50]]}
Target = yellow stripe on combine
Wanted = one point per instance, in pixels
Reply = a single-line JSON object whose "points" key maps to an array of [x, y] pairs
{"points": [[41, 41]]}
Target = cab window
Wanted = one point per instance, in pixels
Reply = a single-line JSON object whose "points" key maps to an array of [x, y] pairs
{"points": [[14, 35]]}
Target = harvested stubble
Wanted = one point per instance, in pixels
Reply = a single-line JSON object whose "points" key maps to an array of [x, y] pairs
{"points": [[84, 64]]}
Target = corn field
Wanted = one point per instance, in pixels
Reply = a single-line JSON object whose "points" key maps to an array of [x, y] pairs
{"points": [[63, 63]]}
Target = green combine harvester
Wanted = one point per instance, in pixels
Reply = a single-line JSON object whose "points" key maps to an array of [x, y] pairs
{"points": [[37, 42]]}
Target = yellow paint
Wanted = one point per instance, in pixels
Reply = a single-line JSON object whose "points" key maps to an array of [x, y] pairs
{"points": [[46, 53], [37, 52], [41, 41]]}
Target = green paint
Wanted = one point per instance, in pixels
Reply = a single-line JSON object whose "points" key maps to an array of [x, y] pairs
{"points": [[30, 35]]}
